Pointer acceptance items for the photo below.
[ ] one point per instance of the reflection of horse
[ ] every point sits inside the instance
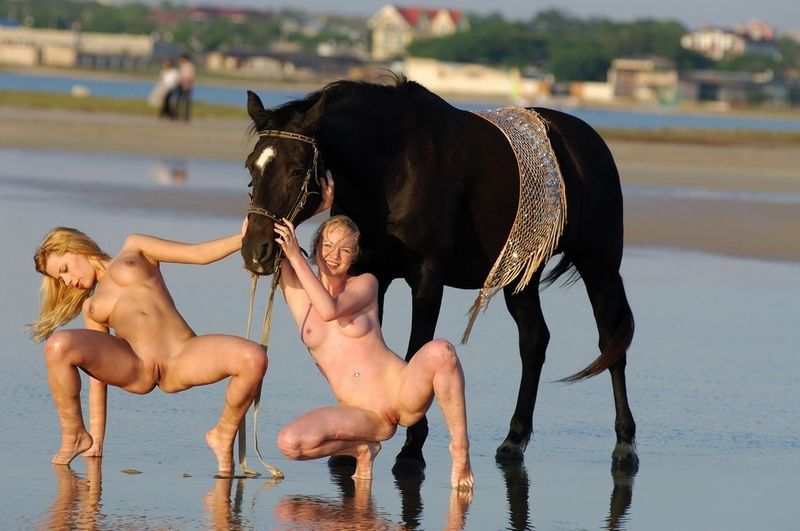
(434, 190)
(518, 484)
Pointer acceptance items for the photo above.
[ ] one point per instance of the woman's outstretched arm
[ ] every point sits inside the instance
(161, 250)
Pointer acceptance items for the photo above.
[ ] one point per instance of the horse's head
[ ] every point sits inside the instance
(285, 171)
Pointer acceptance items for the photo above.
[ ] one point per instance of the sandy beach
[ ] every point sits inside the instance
(734, 200)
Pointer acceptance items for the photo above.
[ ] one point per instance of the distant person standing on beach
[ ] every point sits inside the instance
(187, 75)
(163, 94)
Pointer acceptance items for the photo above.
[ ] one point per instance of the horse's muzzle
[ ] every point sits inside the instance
(259, 257)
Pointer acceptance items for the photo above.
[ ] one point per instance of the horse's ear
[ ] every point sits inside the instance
(255, 108)
(314, 114)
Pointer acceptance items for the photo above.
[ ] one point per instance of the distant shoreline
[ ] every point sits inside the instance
(721, 225)
(255, 83)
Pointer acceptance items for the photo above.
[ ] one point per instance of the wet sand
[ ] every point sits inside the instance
(752, 211)
(707, 342)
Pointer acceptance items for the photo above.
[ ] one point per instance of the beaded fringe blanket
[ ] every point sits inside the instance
(541, 211)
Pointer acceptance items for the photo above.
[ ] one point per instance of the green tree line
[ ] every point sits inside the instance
(573, 48)
(570, 48)
(206, 35)
(553, 41)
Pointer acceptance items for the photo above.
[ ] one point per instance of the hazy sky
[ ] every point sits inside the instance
(783, 14)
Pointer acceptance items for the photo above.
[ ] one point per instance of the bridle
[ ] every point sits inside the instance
(265, 328)
(304, 191)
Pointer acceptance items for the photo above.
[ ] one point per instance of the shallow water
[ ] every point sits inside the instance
(667, 117)
(713, 377)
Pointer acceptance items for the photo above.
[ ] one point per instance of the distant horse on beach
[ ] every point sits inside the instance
(435, 190)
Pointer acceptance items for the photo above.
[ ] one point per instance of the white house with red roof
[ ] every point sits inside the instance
(395, 27)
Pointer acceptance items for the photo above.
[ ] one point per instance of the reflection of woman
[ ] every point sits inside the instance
(337, 315)
(357, 510)
(77, 503)
(152, 345)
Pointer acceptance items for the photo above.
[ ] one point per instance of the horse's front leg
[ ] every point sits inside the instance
(426, 300)
(525, 307)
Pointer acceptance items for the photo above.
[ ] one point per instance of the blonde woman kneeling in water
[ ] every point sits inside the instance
(152, 345)
(337, 315)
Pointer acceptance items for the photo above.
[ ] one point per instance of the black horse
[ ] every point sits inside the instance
(434, 190)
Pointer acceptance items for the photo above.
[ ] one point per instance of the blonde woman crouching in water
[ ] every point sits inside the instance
(152, 345)
(337, 316)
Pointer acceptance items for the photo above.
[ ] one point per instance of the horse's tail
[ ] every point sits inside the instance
(564, 266)
(615, 347)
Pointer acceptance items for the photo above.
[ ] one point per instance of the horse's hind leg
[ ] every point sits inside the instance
(525, 307)
(615, 327)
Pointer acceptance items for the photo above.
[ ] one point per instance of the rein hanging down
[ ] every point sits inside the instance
(265, 327)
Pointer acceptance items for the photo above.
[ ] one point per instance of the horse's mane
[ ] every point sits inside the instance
(390, 88)
(396, 84)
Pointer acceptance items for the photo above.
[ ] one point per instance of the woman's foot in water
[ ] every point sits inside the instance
(72, 445)
(222, 446)
(365, 456)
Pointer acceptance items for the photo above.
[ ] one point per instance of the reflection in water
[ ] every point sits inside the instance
(224, 512)
(621, 498)
(171, 172)
(77, 502)
(356, 508)
(410, 500)
(348, 512)
(515, 475)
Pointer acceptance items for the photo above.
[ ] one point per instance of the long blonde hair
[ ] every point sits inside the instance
(60, 303)
(335, 221)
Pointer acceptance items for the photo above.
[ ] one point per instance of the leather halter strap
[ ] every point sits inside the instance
(304, 191)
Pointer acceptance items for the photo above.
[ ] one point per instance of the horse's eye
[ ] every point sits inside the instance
(298, 173)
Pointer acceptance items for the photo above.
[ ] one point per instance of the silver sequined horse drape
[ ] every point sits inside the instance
(542, 208)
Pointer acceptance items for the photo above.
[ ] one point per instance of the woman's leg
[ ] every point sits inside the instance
(435, 371)
(108, 359)
(211, 358)
(337, 430)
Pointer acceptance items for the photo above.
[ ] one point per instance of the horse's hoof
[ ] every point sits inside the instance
(511, 449)
(508, 453)
(624, 458)
(341, 461)
(409, 462)
(409, 468)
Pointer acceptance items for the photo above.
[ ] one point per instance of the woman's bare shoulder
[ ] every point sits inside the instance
(363, 279)
(134, 246)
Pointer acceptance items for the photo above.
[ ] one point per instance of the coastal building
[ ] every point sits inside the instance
(754, 37)
(282, 65)
(23, 46)
(645, 80)
(170, 15)
(395, 27)
(474, 80)
(733, 89)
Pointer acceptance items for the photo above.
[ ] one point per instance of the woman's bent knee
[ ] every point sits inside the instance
(254, 360)
(441, 353)
(290, 444)
(58, 346)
